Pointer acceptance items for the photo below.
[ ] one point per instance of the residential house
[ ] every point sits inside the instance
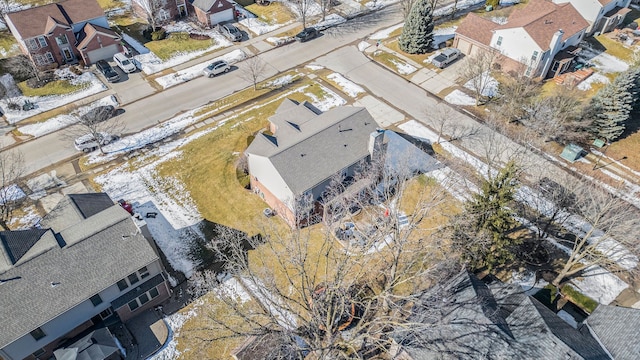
(602, 15)
(470, 319)
(161, 10)
(64, 33)
(91, 260)
(305, 149)
(616, 328)
(98, 344)
(212, 12)
(540, 39)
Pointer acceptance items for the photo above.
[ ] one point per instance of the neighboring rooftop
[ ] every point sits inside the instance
(478, 28)
(96, 345)
(617, 329)
(469, 319)
(69, 268)
(74, 208)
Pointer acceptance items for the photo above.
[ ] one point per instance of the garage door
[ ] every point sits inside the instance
(222, 16)
(106, 52)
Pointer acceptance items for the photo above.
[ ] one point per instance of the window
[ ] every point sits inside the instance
(133, 278)
(534, 56)
(32, 44)
(144, 298)
(50, 58)
(106, 313)
(62, 40)
(122, 284)
(38, 334)
(39, 353)
(133, 304)
(96, 300)
(499, 42)
(42, 41)
(153, 293)
(143, 272)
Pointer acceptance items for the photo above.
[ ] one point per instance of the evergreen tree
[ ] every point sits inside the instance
(611, 107)
(417, 32)
(483, 229)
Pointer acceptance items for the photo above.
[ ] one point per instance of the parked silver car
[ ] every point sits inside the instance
(216, 68)
(88, 142)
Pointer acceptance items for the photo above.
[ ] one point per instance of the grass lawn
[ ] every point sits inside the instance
(174, 44)
(393, 45)
(391, 61)
(8, 44)
(583, 301)
(627, 150)
(57, 87)
(110, 4)
(615, 48)
(275, 13)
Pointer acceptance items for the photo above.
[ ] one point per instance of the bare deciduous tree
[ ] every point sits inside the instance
(477, 71)
(11, 170)
(558, 117)
(155, 11)
(98, 123)
(445, 120)
(607, 236)
(302, 8)
(516, 94)
(342, 291)
(253, 68)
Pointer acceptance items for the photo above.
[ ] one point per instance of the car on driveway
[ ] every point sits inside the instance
(124, 63)
(106, 70)
(446, 57)
(88, 142)
(230, 32)
(307, 34)
(216, 68)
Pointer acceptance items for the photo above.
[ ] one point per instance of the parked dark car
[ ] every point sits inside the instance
(307, 34)
(106, 70)
(99, 114)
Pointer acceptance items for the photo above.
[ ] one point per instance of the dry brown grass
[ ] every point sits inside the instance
(275, 13)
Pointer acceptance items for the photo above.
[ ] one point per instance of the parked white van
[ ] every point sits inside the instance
(124, 63)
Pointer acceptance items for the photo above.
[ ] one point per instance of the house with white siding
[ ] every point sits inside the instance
(603, 15)
(539, 39)
(91, 260)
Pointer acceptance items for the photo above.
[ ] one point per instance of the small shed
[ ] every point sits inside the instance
(572, 152)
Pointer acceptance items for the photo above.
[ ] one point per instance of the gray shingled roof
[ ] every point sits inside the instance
(74, 208)
(618, 329)
(96, 345)
(323, 145)
(111, 251)
(204, 5)
(17, 243)
(478, 321)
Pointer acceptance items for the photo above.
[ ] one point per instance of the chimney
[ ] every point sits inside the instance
(377, 144)
(556, 42)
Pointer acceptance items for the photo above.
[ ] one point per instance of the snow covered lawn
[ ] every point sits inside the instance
(457, 97)
(345, 85)
(193, 72)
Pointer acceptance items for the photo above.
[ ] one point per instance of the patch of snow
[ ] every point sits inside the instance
(461, 5)
(509, 2)
(329, 21)
(277, 41)
(403, 67)
(45, 103)
(175, 322)
(195, 71)
(312, 7)
(281, 81)
(362, 45)
(29, 219)
(527, 280)
(233, 288)
(314, 67)
(491, 87)
(346, 85)
(378, 4)
(441, 35)
(501, 20)
(120, 347)
(568, 318)
(284, 317)
(259, 27)
(329, 100)
(61, 121)
(385, 33)
(11, 193)
(600, 285)
(172, 281)
(604, 62)
(457, 97)
(594, 78)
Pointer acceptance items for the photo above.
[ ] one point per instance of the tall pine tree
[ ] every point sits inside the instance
(611, 107)
(417, 33)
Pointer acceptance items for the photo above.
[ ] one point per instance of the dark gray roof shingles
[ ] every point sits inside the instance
(17, 243)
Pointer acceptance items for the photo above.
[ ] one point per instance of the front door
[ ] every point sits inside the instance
(68, 55)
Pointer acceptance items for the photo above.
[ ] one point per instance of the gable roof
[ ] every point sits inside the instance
(17, 243)
(209, 5)
(477, 28)
(35, 21)
(617, 329)
(94, 254)
(541, 19)
(90, 31)
(96, 345)
(471, 320)
(74, 208)
(318, 146)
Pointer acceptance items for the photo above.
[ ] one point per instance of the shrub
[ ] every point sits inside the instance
(179, 36)
(158, 35)
(493, 3)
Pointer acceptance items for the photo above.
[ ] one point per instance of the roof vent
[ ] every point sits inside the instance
(55, 283)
